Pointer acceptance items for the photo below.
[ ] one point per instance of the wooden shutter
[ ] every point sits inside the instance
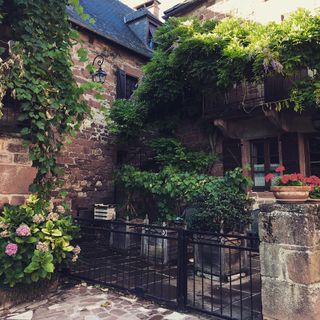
(121, 84)
(231, 155)
(290, 152)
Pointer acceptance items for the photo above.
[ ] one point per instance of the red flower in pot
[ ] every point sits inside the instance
(289, 187)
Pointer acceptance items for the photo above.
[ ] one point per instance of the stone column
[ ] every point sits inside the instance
(290, 261)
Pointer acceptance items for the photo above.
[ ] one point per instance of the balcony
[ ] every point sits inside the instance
(247, 97)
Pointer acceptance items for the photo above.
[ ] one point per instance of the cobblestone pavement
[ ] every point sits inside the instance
(84, 302)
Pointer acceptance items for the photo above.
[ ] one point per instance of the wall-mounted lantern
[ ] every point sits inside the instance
(99, 75)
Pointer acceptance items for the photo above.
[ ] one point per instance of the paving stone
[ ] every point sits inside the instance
(22, 316)
(92, 317)
(118, 312)
(175, 316)
(157, 317)
(71, 304)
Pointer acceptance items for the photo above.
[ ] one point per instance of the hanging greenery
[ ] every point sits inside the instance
(38, 76)
(195, 58)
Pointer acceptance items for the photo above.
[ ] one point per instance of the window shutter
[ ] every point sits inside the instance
(290, 152)
(121, 84)
(231, 154)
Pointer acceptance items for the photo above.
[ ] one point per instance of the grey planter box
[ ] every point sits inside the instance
(158, 250)
(219, 262)
(125, 241)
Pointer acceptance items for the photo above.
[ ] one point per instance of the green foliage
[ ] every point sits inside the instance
(194, 58)
(44, 245)
(315, 192)
(180, 180)
(42, 83)
(171, 190)
(171, 152)
(225, 206)
(125, 118)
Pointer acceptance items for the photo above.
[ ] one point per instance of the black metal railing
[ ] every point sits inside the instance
(218, 274)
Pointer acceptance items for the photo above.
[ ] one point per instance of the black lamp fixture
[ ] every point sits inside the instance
(99, 75)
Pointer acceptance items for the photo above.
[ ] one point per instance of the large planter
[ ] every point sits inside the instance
(291, 194)
(219, 258)
(156, 248)
(121, 237)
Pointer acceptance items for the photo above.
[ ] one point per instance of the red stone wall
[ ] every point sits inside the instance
(89, 161)
(15, 171)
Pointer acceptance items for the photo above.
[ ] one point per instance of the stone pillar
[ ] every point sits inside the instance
(290, 261)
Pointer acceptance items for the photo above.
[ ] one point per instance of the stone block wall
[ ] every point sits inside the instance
(290, 261)
(90, 160)
(16, 173)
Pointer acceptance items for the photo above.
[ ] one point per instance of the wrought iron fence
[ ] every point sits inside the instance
(214, 273)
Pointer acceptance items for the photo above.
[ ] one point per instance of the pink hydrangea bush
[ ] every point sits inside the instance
(35, 238)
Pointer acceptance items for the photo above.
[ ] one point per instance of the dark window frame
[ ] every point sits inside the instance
(122, 84)
(267, 160)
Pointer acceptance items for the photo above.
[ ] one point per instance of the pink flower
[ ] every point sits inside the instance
(23, 231)
(11, 249)
(280, 169)
(268, 177)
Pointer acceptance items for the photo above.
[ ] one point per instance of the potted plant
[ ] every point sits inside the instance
(218, 220)
(288, 188)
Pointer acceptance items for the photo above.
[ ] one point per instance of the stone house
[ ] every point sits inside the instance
(247, 130)
(124, 39)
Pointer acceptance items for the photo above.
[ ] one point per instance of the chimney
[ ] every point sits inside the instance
(152, 6)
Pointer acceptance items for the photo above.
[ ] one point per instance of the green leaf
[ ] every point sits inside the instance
(48, 267)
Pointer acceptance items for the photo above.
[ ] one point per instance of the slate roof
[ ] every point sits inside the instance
(179, 8)
(110, 23)
(141, 13)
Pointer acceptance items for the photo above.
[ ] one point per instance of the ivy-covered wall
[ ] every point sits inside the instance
(89, 161)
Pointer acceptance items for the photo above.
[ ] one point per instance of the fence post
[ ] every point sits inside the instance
(290, 260)
(182, 271)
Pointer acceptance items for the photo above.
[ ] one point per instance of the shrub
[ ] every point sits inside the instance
(34, 239)
(226, 206)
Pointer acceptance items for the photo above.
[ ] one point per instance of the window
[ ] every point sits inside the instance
(126, 84)
(231, 154)
(314, 154)
(151, 33)
(264, 159)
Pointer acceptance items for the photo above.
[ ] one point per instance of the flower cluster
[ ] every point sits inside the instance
(53, 216)
(4, 226)
(76, 251)
(42, 246)
(295, 179)
(38, 218)
(23, 231)
(11, 249)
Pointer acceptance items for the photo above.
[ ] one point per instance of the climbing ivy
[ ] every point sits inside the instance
(41, 82)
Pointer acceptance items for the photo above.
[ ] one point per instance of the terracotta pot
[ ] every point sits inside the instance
(291, 194)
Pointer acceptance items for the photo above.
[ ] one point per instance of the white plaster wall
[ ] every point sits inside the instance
(262, 11)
